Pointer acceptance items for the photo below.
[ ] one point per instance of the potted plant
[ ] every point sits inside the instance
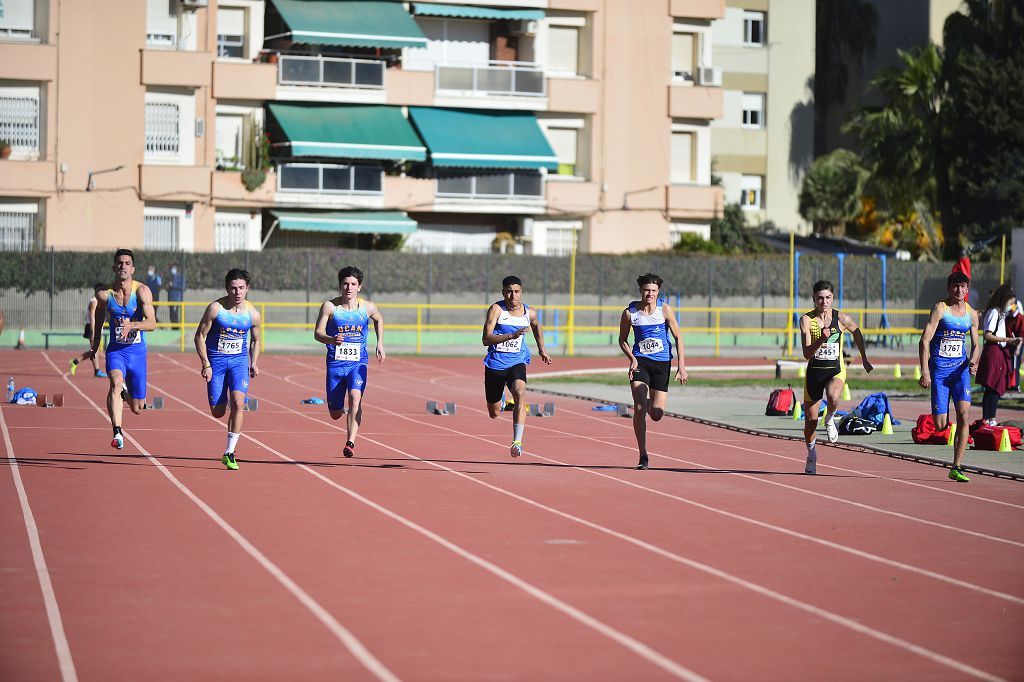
(5, 148)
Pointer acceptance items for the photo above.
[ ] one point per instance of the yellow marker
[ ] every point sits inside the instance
(798, 412)
(917, 372)
(886, 425)
(846, 392)
(1004, 442)
(897, 373)
(952, 435)
(801, 372)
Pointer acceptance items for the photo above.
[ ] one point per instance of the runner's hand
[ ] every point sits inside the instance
(545, 357)
(633, 364)
(207, 373)
(974, 367)
(339, 338)
(925, 381)
(254, 371)
(126, 325)
(380, 353)
(681, 376)
(867, 365)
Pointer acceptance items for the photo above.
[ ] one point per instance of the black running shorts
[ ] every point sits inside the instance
(495, 380)
(654, 373)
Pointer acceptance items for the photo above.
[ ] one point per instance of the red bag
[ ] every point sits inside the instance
(925, 434)
(781, 402)
(988, 437)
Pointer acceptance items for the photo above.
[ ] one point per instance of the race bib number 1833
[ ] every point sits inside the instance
(348, 352)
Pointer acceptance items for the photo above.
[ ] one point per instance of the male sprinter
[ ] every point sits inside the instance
(945, 366)
(90, 313)
(127, 306)
(229, 355)
(650, 356)
(343, 325)
(821, 332)
(507, 356)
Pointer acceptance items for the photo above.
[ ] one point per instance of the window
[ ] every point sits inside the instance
(561, 237)
(753, 110)
(231, 232)
(17, 19)
(19, 119)
(750, 192)
(161, 232)
(451, 239)
(163, 129)
(754, 28)
(315, 177)
(18, 226)
(677, 230)
(683, 50)
(682, 157)
(161, 24)
(564, 141)
(492, 185)
(229, 140)
(563, 49)
(231, 33)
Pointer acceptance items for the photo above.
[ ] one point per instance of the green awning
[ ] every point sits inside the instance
(349, 23)
(350, 131)
(363, 222)
(469, 12)
(459, 138)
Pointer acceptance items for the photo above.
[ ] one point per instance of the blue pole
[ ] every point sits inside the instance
(884, 322)
(555, 331)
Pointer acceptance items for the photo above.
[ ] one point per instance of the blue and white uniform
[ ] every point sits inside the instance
(346, 361)
(127, 357)
(501, 356)
(650, 333)
(227, 347)
(948, 362)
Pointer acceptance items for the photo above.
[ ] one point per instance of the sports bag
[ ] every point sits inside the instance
(987, 437)
(874, 408)
(781, 402)
(925, 433)
(852, 425)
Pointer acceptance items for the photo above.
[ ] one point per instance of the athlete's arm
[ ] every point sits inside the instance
(378, 328)
(924, 345)
(320, 332)
(202, 330)
(255, 333)
(625, 324)
(990, 334)
(148, 321)
(846, 322)
(97, 324)
(673, 326)
(975, 346)
(489, 337)
(538, 336)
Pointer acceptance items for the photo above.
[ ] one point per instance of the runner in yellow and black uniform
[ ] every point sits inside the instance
(821, 331)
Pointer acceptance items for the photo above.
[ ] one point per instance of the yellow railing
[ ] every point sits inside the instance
(569, 329)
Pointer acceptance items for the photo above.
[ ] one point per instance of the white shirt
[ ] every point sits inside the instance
(995, 322)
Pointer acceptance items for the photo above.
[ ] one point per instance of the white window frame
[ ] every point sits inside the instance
(11, 212)
(678, 76)
(248, 223)
(28, 147)
(234, 40)
(753, 107)
(186, 224)
(580, 166)
(750, 19)
(692, 170)
(701, 151)
(23, 30)
(751, 192)
(186, 153)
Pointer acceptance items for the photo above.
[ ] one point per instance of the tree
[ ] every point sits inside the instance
(831, 191)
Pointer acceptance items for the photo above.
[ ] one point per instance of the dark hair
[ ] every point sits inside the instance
(823, 284)
(124, 252)
(350, 271)
(649, 278)
(509, 281)
(236, 273)
(999, 297)
(99, 286)
(957, 278)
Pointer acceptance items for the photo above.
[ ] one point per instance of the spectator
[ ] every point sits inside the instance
(995, 371)
(175, 293)
(155, 283)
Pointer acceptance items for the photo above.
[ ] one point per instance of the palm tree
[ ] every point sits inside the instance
(831, 191)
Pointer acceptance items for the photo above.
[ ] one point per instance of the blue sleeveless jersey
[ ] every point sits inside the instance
(510, 353)
(115, 312)
(650, 333)
(229, 334)
(948, 348)
(355, 326)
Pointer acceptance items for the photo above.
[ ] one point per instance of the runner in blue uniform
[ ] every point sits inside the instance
(343, 325)
(945, 365)
(650, 357)
(508, 355)
(228, 343)
(127, 306)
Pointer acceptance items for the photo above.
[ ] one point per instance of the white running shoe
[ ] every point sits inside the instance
(118, 442)
(811, 467)
(516, 449)
(832, 430)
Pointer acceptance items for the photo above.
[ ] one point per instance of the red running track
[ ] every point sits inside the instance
(433, 555)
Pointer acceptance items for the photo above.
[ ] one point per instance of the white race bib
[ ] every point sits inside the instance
(228, 346)
(827, 351)
(650, 346)
(951, 348)
(133, 337)
(348, 352)
(511, 346)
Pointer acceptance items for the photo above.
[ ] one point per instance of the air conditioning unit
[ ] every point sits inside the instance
(194, 4)
(709, 75)
(525, 27)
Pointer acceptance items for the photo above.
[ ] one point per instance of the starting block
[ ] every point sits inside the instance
(622, 410)
(252, 405)
(157, 404)
(545, 410)
(56, 400)
(435, 407)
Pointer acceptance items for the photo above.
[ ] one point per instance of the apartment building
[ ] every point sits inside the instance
(221, 125)
(764, 141)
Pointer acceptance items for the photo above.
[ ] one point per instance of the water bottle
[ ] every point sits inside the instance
(10, 390)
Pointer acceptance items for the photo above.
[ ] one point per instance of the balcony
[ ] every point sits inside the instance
(174, 183)
(336, 72)
(491, 79)
(694, 201)
(323, 184)
(412, 194)
(573, 197)
(228, 190)
(176, 68)
(31, 178)
(490, 192)
(238, 80)
(697, 102)
(575, 95)
(29, 61)
(697, 9)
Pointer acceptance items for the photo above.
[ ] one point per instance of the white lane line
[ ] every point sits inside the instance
(885, 637)
(60, 639)
(350, 641)
(639, 648)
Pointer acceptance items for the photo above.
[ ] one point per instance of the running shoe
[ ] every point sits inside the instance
(118, 442)
(811, 467)
(73, 367)
(124, 395)
(350, 449)
(229, 461)
(516, 449)
(955, 474)
(832, 430)
(642, 464)
(100, 374)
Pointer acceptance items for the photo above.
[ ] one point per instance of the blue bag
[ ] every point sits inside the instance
(24, 396)
(874, 408)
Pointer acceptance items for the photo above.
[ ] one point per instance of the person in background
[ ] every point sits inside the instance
(90, 314)
(996, 369)
(175, 293)
(155, 282)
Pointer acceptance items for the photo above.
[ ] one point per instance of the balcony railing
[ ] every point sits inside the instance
(510, 186)
(339, 72)
(520, 79)
(321, 178)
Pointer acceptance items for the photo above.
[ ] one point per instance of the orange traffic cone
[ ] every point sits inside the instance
(21, 340)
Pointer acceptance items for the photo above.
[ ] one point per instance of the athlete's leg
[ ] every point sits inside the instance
(833, 392)
(115, 405)
(237, 414)
(658, 401)
(217, 389)
(641, 401)
(494, 391)
(355, 414)
(135, 378)
(960, 392)
(940, 401)
(337, 388)
(812, 398)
